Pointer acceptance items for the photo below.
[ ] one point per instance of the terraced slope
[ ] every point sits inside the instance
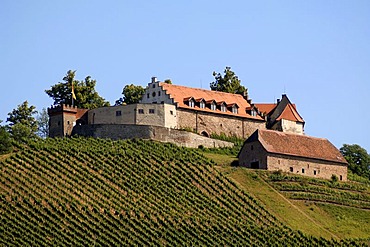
(99, 192)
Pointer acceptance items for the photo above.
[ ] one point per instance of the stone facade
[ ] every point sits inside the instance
(129, 131)
(207, 123)
(141, 114)
(289, 126)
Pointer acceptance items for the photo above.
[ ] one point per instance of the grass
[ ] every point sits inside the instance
(317, 219)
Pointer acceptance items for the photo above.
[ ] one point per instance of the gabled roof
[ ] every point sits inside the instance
(265, 107)
(179, 93)
(297, 145)
(290, 113)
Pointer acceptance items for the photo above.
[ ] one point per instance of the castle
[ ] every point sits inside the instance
(170, 106)
(165, 110)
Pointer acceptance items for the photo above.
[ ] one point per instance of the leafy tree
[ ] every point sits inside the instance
(5, 142)
(229, 83)
(86, 96)
(23, 116)
(168, 81)
(43, 123)
(131, 94)
(358, 159)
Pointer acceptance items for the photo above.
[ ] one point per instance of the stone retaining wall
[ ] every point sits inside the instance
(128, 131)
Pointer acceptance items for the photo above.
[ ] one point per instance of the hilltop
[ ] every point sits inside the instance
(85, 191)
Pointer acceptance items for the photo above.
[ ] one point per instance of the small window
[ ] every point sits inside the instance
(253, 113)
(302, 170)
(235, 110)
(151, 111)
(213, 107)
(141, 111)
(340, 177)
(153, 85)
(202, 105)
(291, 169)
(147, 96)
(223, 108)
(118, 113)
(251, 147)
(314, 172)
(191, 103)
(58, 123)
(279, 162)
(68, 122)
(171, 112)
(153, 94)
(159, 93)
(162, 102)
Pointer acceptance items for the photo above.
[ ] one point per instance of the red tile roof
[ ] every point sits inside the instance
(290, 113)
(299, 145)
(265, 107)
(179, 94)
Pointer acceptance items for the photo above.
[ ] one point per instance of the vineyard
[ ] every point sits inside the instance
(321, 191)
(74, 192)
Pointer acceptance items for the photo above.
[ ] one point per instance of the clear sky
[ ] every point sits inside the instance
(317, 52)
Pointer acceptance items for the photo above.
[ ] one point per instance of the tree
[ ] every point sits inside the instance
(43, 123)
(358, 159)
(229, 83)
(23, 115)
(5, 142)
(86, 96)
(131, 94)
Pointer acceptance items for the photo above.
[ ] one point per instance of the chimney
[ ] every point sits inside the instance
(154, 79)
(278, 101)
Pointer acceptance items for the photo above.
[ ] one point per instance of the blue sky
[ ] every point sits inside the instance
(317, 52)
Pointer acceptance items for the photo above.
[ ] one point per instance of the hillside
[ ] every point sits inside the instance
(100, 192)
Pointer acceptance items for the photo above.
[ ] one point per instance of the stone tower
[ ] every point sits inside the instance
(63, 118)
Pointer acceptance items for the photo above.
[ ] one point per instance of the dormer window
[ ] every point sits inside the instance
(233, 108)
(223, 108)
(253, 113)
(213, 106)
(191, 103)
(202, 105)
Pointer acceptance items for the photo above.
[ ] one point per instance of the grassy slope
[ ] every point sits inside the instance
(317, 219)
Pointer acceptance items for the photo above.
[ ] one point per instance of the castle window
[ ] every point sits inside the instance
(151, 111)
(58, 123)
(234, 110)
(68, 122)
(302, 170)
(159, 93)
(147, 96)
(191, 103)
(251, 147)
(291, 169)
(118, 113)
(314, 172)
(340, 177)
(171, 112)
(153, 85)
(153, 94)
(141, 111)
(213, 106)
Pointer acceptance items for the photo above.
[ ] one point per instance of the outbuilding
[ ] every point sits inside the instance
(294, 153)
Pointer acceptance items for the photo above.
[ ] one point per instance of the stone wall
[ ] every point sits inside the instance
(126, 131)
(141, 114)
(288, 126)
(217, 123)
(307, 167)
